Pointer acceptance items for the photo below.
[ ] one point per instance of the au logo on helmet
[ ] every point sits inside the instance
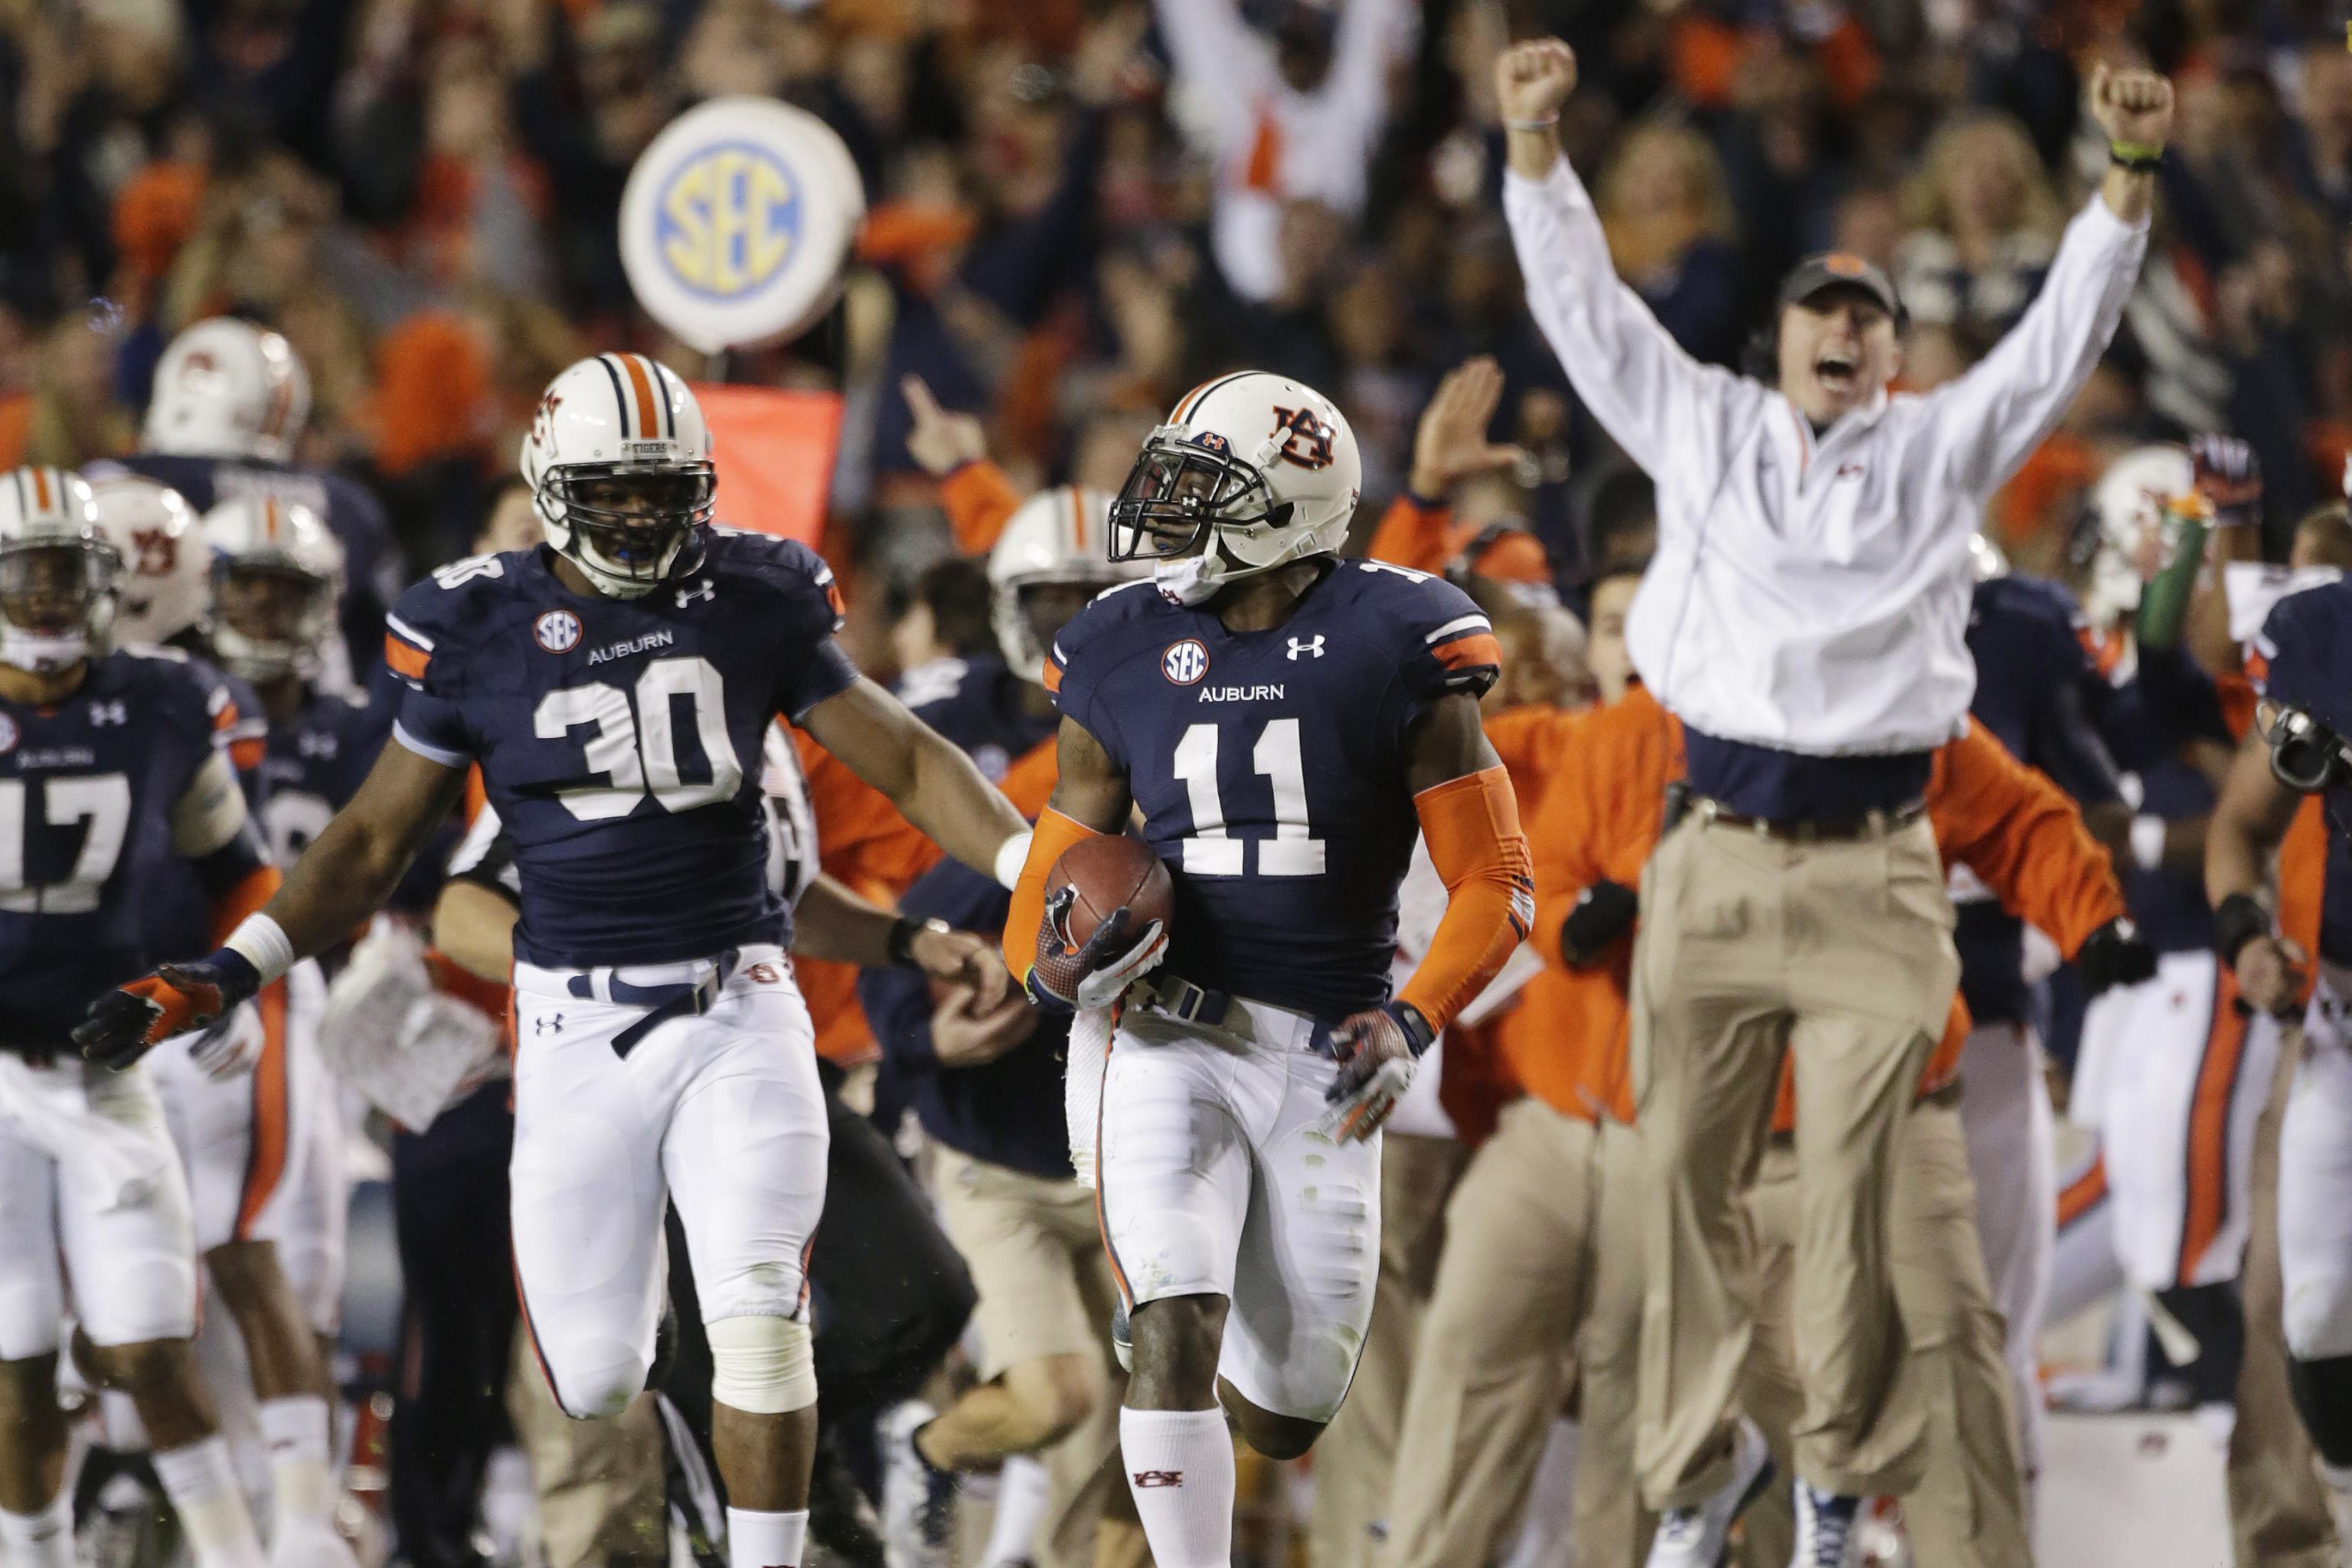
(736, 221)
(1305, 438)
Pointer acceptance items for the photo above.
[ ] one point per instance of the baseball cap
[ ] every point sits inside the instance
(1842, 270)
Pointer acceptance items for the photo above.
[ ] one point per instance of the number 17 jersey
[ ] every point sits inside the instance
(1271, 766)
(620, 739)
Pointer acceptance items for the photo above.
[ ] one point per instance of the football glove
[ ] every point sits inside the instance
(2228, 475)
(1602, 913)
(1070, 977)
(2114, 955)
(124, 1025)
(1376, 1051)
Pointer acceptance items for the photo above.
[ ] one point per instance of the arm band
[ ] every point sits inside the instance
(2237, 920)
(1055, 834)
(263, 942)
(1472, 827)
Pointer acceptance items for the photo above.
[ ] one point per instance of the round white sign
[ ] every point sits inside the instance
(736, 221)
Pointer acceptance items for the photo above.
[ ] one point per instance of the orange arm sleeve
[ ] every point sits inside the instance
(978, 498)
(1056, 833)
(254, 889)
(1472, 826)
(2022, 835)
(1414, 535)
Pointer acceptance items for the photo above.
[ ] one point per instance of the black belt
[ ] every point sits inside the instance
(686, 999)
(1826, 830)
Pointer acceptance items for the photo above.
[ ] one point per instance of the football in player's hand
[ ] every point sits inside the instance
(1109, 873)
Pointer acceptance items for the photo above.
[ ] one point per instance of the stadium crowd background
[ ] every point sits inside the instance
(423, 195)
(1078, 211)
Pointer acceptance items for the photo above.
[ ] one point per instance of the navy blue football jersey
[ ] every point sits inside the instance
(313, 763)
(2164, 702)
(2035, 691)
(88, 792)
(620, 740)
(1270, 766)
(980, 706)
(179, 908)
(371, 568)
(2303, 659)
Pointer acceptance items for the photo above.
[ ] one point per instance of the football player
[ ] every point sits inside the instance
(1281, 719)
(615, 686)
(2302, 660)
(249, 1105)
(2172, 1073)
(224, 420)
(110, 778)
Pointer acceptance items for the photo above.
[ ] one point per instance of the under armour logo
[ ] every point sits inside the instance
(1158, 1478)
(548, 1024)
(704, 589)
(317, 743)
(109, 713)
(1313, 648)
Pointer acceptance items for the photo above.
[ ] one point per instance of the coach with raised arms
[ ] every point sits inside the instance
(1805, 619)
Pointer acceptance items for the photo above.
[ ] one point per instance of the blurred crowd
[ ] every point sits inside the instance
(1081, 207)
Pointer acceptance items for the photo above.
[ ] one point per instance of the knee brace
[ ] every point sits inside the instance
(2323, 1397)
(762, 1366)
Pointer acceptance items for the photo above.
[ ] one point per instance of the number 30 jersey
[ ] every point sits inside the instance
(1270, 766)
(620, 739)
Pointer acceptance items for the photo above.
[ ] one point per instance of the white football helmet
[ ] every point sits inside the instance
(166, 581)
(226, 388)
(618, 461)
(1059, 537)
(276, 578)
(57, 572)
(1251, 471)
(2132, 507)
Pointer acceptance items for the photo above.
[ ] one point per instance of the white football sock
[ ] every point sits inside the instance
(201, 1481)
(43, 1539)
(1179, 1467)
(765, 1540)
(117, 1416)
(1022, 1493)
(296, 1429)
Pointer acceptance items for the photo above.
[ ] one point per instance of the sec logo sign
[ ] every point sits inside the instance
(1184, 662)
(558, 631)
(727, 220)
(736, 221)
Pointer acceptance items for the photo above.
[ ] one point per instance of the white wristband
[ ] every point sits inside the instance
(1011, 856)
(262, 942)
(2148, 842)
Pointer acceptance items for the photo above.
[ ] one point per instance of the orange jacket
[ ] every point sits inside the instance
(979, 498)
(1600, 820)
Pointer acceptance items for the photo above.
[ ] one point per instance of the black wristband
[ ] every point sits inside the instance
(2135, 164)
(2237, 920)
(902, 939)
(1418, 1035)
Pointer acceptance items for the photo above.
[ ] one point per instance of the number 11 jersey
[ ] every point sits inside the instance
(1270, 766)
(620, 739)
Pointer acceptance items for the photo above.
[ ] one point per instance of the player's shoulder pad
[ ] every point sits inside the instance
(172, 689)
(440, 612)
(2305, 643)
(769, 563)
(1436, 632)
(1116, 613)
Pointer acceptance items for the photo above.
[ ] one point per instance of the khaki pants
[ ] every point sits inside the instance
(1839, 954)
(1968, 1509)
(1489, 1369)
(602, 1500)
(1037, 1262)
(1357, 1454)
(1612, 1526)
(2278, 1510)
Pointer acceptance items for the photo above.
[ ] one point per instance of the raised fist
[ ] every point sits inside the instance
(1533, 80)
(2133, 107)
